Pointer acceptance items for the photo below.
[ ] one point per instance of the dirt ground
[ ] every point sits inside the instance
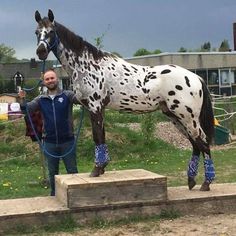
(212, 225)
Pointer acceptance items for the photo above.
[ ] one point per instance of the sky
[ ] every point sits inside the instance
(127, 25)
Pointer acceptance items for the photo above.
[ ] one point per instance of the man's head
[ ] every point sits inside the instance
(50, 80)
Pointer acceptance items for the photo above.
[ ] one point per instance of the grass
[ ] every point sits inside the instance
(21, 173)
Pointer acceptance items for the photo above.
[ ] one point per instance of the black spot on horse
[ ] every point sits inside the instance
(189, 109)
(179, 87)
(172, 107)
(191, 93)
(165, 71)
(171, 93)
(126, 69)
(194, 124)
(67, 55)
(96, 96)
(100, 85)
(124, 103)
(122, 93)
(182, 115)
(187, 81)
(146, 90)
(126, 99)
(176, 101)
(200, 93)
(133, 98)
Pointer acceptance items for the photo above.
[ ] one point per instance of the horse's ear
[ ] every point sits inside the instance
(50, 15)
(37, 16)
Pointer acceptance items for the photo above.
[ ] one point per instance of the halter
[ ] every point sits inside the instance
(52, 46)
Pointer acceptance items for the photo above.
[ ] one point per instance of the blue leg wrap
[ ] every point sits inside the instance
(193, 166)
(209, 170)
(101, 155)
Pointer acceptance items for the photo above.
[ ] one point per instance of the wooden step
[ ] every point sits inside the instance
(112, 188)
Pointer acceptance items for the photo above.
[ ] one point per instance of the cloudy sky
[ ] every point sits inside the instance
(128, 24)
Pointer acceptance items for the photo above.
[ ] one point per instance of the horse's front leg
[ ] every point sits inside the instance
(101, 150)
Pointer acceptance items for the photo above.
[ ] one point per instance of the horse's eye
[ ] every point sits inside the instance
(51, 33)
(36, 32)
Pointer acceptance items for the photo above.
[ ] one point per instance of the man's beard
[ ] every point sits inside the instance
(52, 88)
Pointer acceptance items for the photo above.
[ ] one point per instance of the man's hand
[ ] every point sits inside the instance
(21, 94)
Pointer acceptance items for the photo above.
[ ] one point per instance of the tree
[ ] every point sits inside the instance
(144, 51)
(182, 49)
(224, 47)
(7, 54)
(157, 51)
(141, 52)
(206, 47)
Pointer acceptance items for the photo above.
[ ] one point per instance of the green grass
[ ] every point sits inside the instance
(21, 173)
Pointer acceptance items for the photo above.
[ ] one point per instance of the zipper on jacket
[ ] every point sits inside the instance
(55, 119)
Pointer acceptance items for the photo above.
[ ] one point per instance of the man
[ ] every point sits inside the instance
(56, 109)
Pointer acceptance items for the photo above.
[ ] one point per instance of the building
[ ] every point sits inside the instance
(218, 69)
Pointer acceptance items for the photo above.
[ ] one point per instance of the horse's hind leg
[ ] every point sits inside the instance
(101, 150)
(208, 163)
(193, 165)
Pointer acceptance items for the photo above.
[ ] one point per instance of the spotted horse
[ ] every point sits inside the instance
(102, 80)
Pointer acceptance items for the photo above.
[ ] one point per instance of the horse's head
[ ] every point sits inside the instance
(46, 35)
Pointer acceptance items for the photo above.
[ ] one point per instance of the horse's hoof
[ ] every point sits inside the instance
(205, 186)
(95, 172)
(191, 183)
(102, 168)
(98, 170)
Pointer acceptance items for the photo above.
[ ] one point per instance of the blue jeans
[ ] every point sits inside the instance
(53, 162)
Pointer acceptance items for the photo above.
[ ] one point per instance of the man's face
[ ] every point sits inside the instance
(50, 80)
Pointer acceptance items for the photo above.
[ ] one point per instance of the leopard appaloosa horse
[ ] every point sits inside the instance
(102, 80)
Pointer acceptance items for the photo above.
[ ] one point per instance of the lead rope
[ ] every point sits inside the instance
(76, 136)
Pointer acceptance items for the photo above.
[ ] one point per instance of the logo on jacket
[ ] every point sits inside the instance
(60, 100)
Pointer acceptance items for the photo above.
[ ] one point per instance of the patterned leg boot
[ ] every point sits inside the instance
(209, 174)
(192, 171)
(101, 160)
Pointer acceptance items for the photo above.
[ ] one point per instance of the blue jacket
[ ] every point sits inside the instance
(57, 115)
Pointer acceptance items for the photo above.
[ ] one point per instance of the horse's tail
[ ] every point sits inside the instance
(207, 116)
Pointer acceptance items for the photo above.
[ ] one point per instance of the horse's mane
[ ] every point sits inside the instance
(77, 43)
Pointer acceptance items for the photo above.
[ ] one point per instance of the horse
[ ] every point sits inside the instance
(103, 80)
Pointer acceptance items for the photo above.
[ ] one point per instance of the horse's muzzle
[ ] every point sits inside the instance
(42, 52)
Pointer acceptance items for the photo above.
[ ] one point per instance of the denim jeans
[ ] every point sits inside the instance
(53, 162)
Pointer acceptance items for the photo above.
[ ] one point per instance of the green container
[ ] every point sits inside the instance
(221, 135)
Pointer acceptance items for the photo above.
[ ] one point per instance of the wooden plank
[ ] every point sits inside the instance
(112, 188)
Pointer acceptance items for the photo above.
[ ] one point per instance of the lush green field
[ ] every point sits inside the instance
(21, 172)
